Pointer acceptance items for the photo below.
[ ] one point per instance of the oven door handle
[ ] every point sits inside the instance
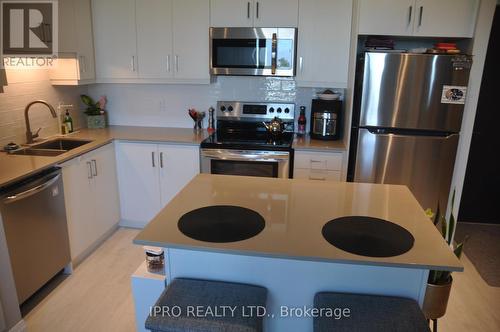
(246, 155)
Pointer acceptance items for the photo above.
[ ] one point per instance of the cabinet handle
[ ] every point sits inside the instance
(168, 63)
(257, 10)
(176, 63)
(317, 178)
(248, 9)
(161, 159)
(420, 16)
(301, 64)
(410, 10)
(94, 173)
(153, 159)
(132, 63)
(89, 167)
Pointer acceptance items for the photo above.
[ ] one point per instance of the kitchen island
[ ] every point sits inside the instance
(289, 255)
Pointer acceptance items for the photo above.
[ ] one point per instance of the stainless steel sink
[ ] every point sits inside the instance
(37, 152)
(61, 144)
(52, 147)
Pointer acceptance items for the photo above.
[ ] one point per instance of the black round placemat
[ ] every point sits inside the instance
(367, 236)
(221, 223)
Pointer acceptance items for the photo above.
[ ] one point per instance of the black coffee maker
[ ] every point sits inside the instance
(326, 119)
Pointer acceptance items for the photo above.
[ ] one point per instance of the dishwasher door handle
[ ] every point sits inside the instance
(31, 191)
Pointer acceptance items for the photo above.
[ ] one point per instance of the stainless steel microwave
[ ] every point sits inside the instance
(253, 51)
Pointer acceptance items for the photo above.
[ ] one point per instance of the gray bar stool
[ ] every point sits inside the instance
(370, 313)
(177, 308)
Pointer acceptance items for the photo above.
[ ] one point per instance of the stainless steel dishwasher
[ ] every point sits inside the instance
(34, 220)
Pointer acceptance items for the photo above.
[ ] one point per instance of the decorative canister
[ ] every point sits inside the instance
(155, 259)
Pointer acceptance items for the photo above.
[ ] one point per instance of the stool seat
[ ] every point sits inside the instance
(204, 305)
(370, 313)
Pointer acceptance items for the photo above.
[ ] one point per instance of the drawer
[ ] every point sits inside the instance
(316, 174)
(318, 160)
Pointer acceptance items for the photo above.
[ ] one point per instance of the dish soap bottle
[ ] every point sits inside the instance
(68, 122)
(302, 122)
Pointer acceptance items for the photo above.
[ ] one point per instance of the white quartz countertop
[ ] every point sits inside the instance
(295, 212)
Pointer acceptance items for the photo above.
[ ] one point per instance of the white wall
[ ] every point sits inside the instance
(25, 86)
(167, 105)
(479, 49)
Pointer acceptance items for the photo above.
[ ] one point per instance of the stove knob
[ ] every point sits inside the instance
(287, 110)
(223, 108)
(278, 110)
(230, 108)
(271, 110)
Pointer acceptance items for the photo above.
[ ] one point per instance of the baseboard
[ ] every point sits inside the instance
(80, 258)
(131, 224)
(19, 327)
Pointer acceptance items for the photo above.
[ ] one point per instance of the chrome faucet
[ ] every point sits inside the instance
(29, 135)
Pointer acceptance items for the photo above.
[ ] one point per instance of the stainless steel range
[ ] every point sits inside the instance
(242, 145)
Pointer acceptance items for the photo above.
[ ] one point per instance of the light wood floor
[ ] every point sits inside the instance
(97, 296)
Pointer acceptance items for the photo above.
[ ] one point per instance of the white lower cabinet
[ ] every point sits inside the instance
(324, 166)
(150, 175)
(92, 205)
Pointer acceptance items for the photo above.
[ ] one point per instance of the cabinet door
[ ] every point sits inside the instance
(84, 39)
(231, 13)
(80, 211)
(445, 18)
(178, 165)
(324, 42)
(105, 189)
(115, 38)
(138, 182)
(190, 39)
(387, 17)
(154, 38)
(276, 13)
(66, 23)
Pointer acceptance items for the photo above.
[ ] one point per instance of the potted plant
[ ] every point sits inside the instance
(439, 282)
(95, 111)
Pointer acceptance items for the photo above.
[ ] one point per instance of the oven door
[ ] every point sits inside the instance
(275, 164)
(252, 51)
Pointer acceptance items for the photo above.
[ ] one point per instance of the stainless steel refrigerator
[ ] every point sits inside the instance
(406, 121)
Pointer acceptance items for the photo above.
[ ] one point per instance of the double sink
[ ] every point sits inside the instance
(53, 147)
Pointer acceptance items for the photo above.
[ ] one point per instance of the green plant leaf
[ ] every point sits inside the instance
(444, 227)
(87, 100)
(437, 215)
(451, 227)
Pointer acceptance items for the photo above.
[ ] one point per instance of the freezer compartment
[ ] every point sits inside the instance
(405, 90)
(424, 163)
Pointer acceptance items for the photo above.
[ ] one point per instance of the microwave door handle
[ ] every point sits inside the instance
(274, 54)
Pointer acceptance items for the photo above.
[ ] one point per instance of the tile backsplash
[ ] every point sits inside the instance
(25, 86)
(166, 105)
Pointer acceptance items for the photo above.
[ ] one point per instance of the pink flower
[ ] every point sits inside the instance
(102, 102)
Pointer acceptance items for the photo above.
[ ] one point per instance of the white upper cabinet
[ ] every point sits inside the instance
(386, 17)
(152, 41)
(190, 40)
(276, 13)
(448, 18)
(428, 18)
(154, 38)
(75, 64)
(115, 38)
(323, 43)
(250, 13)
(231, 13)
